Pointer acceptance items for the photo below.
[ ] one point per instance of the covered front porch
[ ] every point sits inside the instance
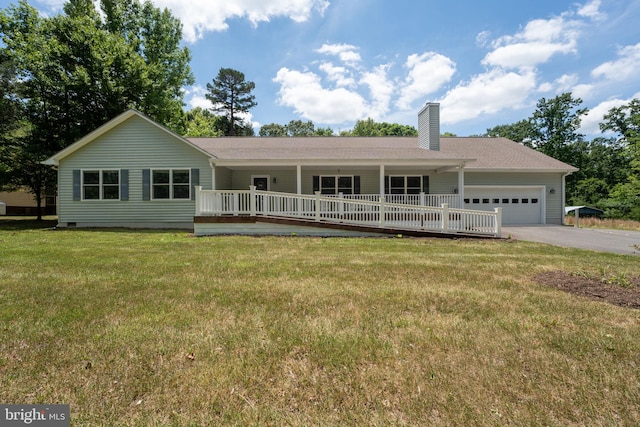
(354, 211)
(425, 183)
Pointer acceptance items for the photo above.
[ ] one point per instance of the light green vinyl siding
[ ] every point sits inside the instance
(369, 179)
(133, 145)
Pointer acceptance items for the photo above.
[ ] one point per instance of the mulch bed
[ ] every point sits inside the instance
(593, 288)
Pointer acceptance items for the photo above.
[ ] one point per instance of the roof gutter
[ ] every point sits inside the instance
(441, 163)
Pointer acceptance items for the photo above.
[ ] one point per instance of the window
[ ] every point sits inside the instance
(496, 201)
(336, 184)
(101, 185)
(514, 201)
(485, 201)
(476, 201)
(534, 200)
(505, 201)
(525, 200)
(406, 184)
(171, 184)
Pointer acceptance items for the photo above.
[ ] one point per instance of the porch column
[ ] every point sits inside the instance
(461, 187)
(382, 180)
(213, 176)
(299, 179)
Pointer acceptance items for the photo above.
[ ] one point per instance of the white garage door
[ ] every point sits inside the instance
(520, 205)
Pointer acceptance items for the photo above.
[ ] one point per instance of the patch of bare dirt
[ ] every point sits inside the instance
(625, 294)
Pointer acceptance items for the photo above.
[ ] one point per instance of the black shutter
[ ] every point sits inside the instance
(425, 184)
(146, 184)
(76, 185)
(195, 181)
(356, 184)
(386, 184)
(124, 184)
(316, 183)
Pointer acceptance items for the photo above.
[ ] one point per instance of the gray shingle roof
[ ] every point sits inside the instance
(482, 153)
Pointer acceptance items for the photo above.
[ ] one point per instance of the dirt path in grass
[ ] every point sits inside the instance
(621, 291)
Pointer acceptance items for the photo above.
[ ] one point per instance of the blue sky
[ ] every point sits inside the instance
(486, 63)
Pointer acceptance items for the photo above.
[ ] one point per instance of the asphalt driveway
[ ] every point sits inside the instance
(616, 241)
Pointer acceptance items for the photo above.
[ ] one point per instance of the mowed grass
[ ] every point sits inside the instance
(155, 328)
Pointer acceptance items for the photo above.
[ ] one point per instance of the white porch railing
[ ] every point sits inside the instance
(379, 213)
(420, 199)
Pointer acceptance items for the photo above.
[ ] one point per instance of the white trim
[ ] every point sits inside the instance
(461, 186)
(404, 187)
(445, 164)
(100, 185)
(213, 176)
(520, 170)
(170, 184)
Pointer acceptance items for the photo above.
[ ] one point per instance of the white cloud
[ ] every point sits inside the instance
(427, 74)
(340, 75)
(201, 16)
(305, 94)
(381, 89)
(583, 90)
(536, 44)
(482, 39)
(344, 100)
(346, 52)
(592, 10)
(487, 93)
(194, 96)
(590, 124)
(624, 67)
(564, 83)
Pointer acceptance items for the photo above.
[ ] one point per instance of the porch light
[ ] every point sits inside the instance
(552, 191)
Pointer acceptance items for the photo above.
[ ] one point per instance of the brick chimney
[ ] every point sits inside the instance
(429, 127)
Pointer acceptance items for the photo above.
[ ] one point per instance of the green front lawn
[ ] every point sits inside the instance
(137, 328)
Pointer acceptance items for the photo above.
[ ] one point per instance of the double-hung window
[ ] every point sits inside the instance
(336, 184)
(401, 184)
(171, 183)
(101, 185)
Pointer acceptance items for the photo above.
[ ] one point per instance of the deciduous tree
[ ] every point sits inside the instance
(78, 69)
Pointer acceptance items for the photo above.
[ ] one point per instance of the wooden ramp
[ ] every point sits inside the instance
(273, 225)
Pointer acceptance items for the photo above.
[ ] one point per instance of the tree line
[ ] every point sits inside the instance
(609, 175)
(63, 76)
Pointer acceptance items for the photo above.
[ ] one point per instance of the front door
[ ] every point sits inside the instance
(261, 182)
